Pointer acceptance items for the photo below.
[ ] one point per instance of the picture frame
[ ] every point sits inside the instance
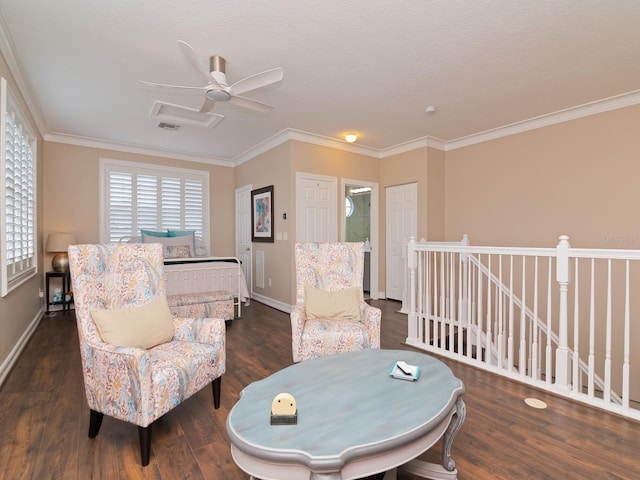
(262, 214)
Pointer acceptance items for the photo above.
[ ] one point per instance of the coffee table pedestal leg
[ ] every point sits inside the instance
(446, 471)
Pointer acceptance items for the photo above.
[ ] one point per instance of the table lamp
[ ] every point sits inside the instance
(58, 243)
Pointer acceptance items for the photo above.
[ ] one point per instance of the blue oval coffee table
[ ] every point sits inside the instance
(354, 419)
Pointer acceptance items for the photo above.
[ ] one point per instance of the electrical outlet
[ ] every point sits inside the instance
(269, 282)
(40, 293)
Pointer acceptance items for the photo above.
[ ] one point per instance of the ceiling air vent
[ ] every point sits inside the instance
(168, 126)
(170, 114)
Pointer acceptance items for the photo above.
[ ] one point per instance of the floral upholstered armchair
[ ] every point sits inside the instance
(331, 315)
(138, 362)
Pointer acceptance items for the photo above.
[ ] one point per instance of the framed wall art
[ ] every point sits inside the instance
(262, 214)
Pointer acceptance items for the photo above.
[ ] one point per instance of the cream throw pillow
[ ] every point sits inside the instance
(339, 305)
(142, 327)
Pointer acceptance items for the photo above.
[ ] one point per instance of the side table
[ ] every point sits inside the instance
(66, 288)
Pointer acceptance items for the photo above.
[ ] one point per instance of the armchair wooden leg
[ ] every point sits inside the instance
(95, 420)
(216, 384)
(144, 433)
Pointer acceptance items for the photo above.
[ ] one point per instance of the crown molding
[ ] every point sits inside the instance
(423, 142)
(262, 147)
(333, 143)
(131, 148)
(289, 134)
(592, 108)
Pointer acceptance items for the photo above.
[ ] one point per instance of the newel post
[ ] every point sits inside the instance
(412, 318)
(562, 277)
(464, 257)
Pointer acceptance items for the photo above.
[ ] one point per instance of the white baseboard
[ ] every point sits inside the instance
(13, 356)
(283, 307)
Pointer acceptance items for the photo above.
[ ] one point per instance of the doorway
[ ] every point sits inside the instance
(360, 224)
(402, 223)
(316, 217)
(243, 233)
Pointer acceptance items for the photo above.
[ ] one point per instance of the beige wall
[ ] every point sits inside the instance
(578, 178)
(71, 193)
(21, 309)
(320, 160)
(273, 168)
(435, 208)
(278, 167)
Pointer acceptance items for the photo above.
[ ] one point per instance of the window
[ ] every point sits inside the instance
(142, 196)
(18, 146)
(348, 206)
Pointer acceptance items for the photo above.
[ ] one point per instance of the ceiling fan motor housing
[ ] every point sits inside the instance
(218, 95)
(217, 67)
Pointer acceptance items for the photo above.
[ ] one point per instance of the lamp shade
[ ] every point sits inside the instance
(58, 243)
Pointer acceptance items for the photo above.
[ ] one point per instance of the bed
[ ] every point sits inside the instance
(206, 280)
(198, 285)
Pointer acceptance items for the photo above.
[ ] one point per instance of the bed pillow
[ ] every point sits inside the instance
(143, 327)
(176, 251)
(180, 233)
(339, 305)
(191, 234)
(152, 233)
(167, 242)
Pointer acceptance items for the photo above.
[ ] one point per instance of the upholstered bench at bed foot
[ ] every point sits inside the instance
(217, 304)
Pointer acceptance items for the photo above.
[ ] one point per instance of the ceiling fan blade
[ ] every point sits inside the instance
(250, 104)
(192, 59)
(208, 105)
(257, 81)
(178, 87)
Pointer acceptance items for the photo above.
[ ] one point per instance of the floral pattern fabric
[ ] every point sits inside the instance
(331, 267)
(132, 384)
(217, 304)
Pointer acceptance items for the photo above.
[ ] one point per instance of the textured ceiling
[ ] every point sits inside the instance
(366, 66)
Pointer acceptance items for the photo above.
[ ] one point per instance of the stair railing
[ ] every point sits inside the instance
(498, 308)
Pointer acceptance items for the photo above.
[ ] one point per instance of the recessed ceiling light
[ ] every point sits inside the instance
(351, 137)
(430, 109)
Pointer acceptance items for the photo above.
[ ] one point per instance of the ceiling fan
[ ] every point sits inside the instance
(216, 88)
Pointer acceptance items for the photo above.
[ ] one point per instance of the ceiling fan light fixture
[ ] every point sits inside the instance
(218, 95)
(351, 137)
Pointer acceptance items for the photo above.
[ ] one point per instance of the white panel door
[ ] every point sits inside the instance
(243, 232)
(316, 208)
(402, 207)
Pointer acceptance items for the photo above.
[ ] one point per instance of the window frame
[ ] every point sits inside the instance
(29, 267)
(108, 165)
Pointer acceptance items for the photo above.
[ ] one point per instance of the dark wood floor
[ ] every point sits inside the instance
(44, 417)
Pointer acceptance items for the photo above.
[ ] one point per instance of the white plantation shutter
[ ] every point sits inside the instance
(17, 195)
(146, 203)
(193, 207)
(141, 196)
(172, 204)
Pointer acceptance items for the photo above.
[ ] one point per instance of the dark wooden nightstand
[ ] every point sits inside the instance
(66, 289)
